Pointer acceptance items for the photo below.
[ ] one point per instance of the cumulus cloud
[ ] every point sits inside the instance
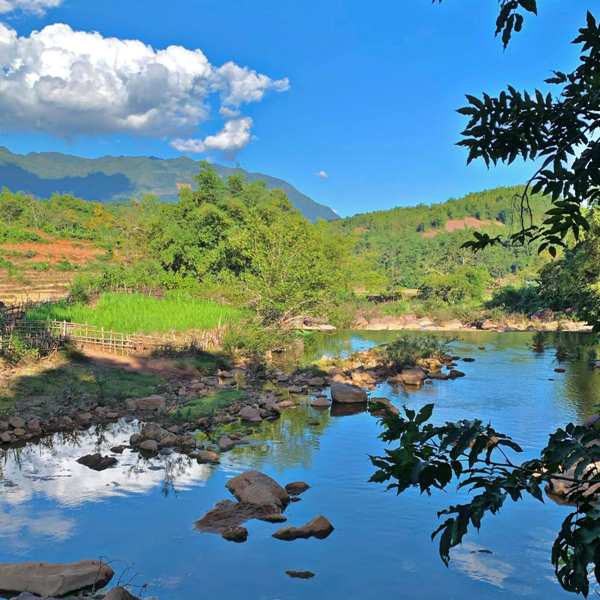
(68, 82)
(38, 7)
(322, 174)
(234, 136)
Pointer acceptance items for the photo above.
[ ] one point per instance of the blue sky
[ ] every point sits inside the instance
(372, 88)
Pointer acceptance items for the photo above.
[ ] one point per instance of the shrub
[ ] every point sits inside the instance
(207, 406)
(408, 349)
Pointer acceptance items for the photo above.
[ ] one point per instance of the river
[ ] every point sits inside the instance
(140, 515)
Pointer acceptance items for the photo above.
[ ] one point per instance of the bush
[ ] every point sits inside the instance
(408, 349)
(525, 300)
(461, 285)
(252, 340)
(19, 351)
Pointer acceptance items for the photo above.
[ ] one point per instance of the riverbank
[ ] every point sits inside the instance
(508, 323)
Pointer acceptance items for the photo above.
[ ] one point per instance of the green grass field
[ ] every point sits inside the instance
(137, 313)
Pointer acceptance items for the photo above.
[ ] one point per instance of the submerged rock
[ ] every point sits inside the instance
(319, 528)
(149, 446)
(455, 374)
(300, 574)
(120, 593)
(320, 403)
(296, 488)
(97, 462)
(380, 407)
(235, 534)
(45, 579)
(346, 393)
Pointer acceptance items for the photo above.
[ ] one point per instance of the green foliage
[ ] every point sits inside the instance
(249, 338)
(402, 246)
(481, 461)
(561, 131)
(461, 285)
(207, 406)
(525, 300)
(407, 349)
(571, 284)
(18, 350)
(138, 313)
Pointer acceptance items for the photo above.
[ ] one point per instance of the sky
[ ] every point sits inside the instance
(352, 102)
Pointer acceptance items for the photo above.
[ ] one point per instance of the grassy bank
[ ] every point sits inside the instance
(138, 313)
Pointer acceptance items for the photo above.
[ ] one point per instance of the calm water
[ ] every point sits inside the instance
(140, 515)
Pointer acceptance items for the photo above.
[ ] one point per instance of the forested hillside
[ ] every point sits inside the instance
(406, 245)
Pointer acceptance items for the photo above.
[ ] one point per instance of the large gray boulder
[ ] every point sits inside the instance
(45, 579)
(254, 487)
(346, 393)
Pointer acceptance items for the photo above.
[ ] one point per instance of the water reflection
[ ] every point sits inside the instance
(49, 469)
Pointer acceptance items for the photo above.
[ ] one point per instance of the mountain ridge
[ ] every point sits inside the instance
(116, 178)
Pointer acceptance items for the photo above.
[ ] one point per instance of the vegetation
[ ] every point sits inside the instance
(408, 349)
(138, 313)
(72, 378)
(207, 406)
(481, 460)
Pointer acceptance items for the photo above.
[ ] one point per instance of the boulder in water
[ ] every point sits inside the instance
(319, 527)
(345, 393)
(46, 579)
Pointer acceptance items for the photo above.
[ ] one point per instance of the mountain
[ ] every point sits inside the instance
(114, 178)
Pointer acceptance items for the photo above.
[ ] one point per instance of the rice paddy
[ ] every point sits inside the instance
(139, 313)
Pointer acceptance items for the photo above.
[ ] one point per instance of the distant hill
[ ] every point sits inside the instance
(114, 178)
(407, 243)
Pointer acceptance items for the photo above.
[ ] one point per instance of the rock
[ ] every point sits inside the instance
(227, 514)
(296, 488)
(235, 534)
(97, 462)
(34, 426)
(345, 393)
(6, 437)
(254, 487)
(118, 449)
(274, 518)
(300, 574)
(285, 404)
(455, 374)
(559, 370)
(467, 359)
(16, 422)
(316, 381)
(413, 376)
(320, 403)
(250, 414)
(379, 407)
(135, 439)
(45, 579)
(120, 593)
(152, 431)
(19, 432)
(319, 528)
(3, 426)
(168, 440)
(439, 375)
(205, 456)
(225, 443)
(155, 402)
(150, 446)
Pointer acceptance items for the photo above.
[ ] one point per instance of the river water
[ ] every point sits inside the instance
(140, 515)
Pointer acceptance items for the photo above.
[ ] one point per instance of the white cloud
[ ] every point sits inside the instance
(67, 82)
(228, 113)
(38, 7)
(322, 174)
(234, 136)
